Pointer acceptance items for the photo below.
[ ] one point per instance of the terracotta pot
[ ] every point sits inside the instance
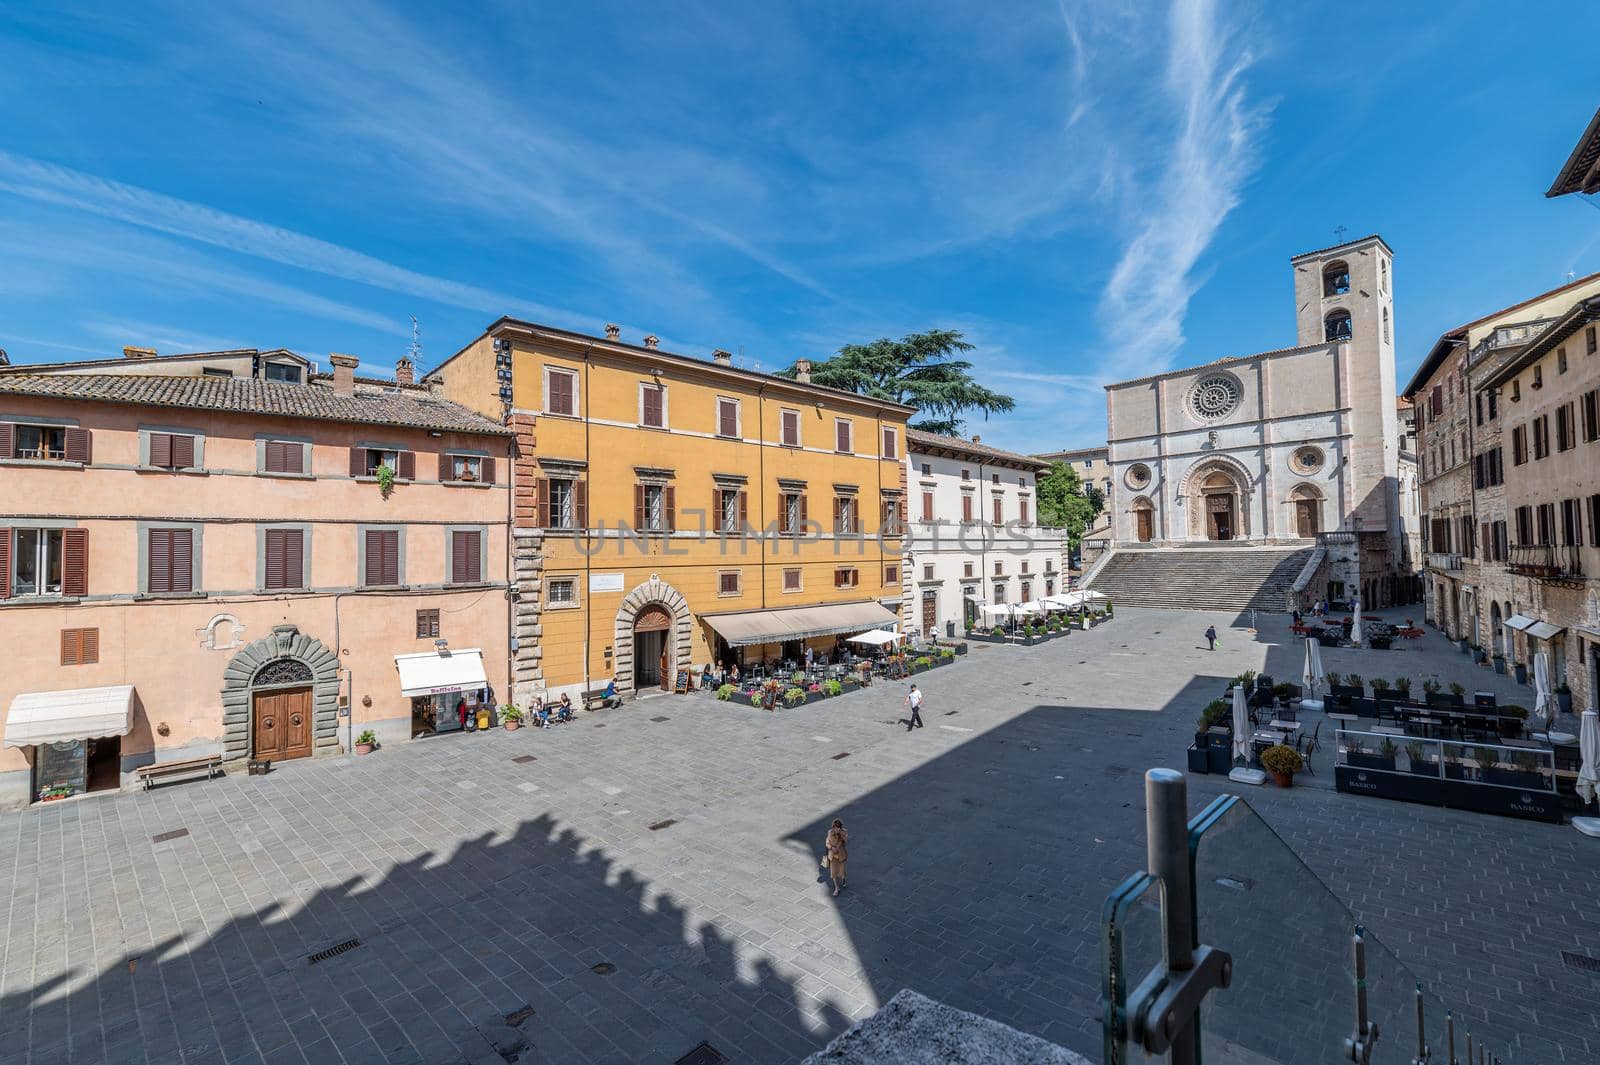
(363, 748)
(512, 726)
(1283, 780)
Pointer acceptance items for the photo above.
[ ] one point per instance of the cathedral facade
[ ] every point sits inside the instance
(1295, 446)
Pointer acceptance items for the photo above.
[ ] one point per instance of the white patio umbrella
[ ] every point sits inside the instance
(1312, 677)
(1589, 746)
(1355, 629)
(1543, 704)
(1241, 726)
(1029, 609)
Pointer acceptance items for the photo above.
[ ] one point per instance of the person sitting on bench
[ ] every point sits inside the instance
(564, 711)
(541, 712)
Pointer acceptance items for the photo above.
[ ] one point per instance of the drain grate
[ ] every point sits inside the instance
(660, 719)
(600, 724)
(604, 968)
(333, 951)
(842, 754)
(1581, 961)
(704, 1054)
(659, 825)
(515, 1018)
(524, 759)
(162, 837)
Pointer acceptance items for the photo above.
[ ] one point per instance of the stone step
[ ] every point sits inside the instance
(1216, 579)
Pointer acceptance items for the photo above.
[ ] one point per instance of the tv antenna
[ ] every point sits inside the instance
(414, 350)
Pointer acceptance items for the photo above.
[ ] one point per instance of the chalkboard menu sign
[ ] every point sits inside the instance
(62, 769)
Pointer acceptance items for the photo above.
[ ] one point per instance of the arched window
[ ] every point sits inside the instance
(1336, 278)
(1383, 275)
(1386, 325)
(1336, 326)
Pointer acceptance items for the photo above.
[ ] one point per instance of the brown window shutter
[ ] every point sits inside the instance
(391, 557)
(446, 467)
(475, 557)
(161, 449)
(580, 504)
(358, 462)
(669, 506)
(408, 466)
(744, 510)
(839, 434)
(70, 654)
(158, 561)
(487, 466)
(182, 560)
(74, 562)
(88, 646)
(638, 506)
(294, 558)
(274, 563)
(374, 567)
(460, 564)
(182, 451)
(541, 503)
(79, 446)
(274, 459)
(5, 562)
(838, 512)
(8, 440)
(804, 514)
(783, 513)
(561, 393)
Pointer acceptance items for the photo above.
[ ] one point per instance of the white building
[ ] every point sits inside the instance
(973, 532)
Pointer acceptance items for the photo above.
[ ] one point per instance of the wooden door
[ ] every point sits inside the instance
(1146, 525)
(283, 724)
(1309, 513)
(930, 615)
(666, 672)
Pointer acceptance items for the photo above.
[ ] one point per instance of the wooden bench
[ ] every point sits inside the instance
(595, 699)
(210, 765)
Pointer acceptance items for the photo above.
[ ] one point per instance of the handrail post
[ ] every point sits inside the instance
(1450, 1037)
(1166, 807)
(1423, 1053)
(1359, 1045)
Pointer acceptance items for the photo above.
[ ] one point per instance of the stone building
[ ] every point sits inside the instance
(1093, 467)
(238, 560)
(1282, 447)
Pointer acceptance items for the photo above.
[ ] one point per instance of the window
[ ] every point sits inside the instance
(169, 558)
(1561, 360)
(994, 478)
(891, 443)
(728, 582)
(891, 575)
(466, 556)
(1566, 428)
(733, 510)
(1541, 436)
(966, 475)
(999, 510)
(966, 569)
(654, 507)
(727, 417)
(283, 559)
(215, 371)
(561, 592)
(563, 503)
(560, 392)
(283, 456)
(845, 517)
(1502, 542)
(281, 371)
(1538, 377)
(1591, 416)
(44, 562)
(927, 469)
(791, 512)
(1594, 520)
(1336, 326)
(1590, 340)
(891, 516)
(1027, 592)
(1477, 403)
(1546, 513)
(791, 580)
(80, 647)
(927, 572)
(1519, 445)
(927, 505)
(1386, 325)
(1336, 279)
(1383, 275)
(652, 406)
(1524, 516)
(843, 435)
(171, 451)
(966, 508)
(1571, 522)
(1516, 390)
(1436, 401)
(41, 443)
(999, 568)
(846, 578)
(367, 461)
(428, 624)
(999, 594)
(789, 428)
(381, 564)
(1494, 403)
(466, 468)
(1024, 565)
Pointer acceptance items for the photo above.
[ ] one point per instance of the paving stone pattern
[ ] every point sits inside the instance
(491, 895)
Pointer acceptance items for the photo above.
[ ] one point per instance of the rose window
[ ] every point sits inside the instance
(1215, 397)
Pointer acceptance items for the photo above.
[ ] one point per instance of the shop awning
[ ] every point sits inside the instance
(876, 637)
(78, 714)
(1519, 622)
(750, 627)
(1543, 630)
(441, 672)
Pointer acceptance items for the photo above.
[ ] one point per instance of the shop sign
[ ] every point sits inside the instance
(605, 582)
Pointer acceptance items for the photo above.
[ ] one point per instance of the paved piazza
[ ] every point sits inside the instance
(673, 844)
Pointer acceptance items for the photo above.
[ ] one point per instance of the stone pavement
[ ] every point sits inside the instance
(625, 887)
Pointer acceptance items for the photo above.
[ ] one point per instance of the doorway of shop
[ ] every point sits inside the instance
(650, 645)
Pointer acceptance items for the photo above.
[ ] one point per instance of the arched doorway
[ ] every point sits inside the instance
(1144, 520)
(1219, 494)
(1306, 502)
(280, 698)
(652, 630)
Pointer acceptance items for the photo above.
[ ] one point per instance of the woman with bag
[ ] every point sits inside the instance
(837, 847)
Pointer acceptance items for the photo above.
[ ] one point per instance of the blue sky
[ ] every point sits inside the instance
(1089, 190)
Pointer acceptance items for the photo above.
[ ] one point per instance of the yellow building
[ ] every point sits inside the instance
(672, 511)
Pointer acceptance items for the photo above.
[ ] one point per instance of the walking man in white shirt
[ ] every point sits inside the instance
(914, 701)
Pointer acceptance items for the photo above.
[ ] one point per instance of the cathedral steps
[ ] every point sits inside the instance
(1239, 579)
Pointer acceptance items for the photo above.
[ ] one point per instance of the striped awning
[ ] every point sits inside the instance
(749, 627)
(76, 714)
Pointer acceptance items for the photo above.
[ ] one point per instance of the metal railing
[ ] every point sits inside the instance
(1443, 560)
(1226, 921)
(1550, 560)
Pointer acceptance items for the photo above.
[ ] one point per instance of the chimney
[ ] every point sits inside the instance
(976, 439)
(344, 373)
(652, 342)
(5, 360)
(613, 330)
(138, 353)
(802, 371)
(722, 358)
(405, 371)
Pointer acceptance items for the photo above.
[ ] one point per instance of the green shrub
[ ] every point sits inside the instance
(1379, 685)
(1430, 685)
(947, 652)
(511, 713)
(1283, 689)
(923, 661)
(832, 687)
(794, 697)
(1355, 680)
(1280, 759)
(797, 677)
(1404, 684)
(755, 698)
(367, 737)
(998, 630)
(1457, 690)
(726, 692)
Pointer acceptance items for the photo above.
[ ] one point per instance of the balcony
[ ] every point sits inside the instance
(1516, 334)
(1443, 561)
(1548, 562)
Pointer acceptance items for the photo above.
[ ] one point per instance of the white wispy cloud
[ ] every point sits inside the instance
(1196, 183)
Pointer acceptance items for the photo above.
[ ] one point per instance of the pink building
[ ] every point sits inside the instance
(227, 553)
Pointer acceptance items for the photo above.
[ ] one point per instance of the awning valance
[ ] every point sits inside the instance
(750, 627)
(1543, 630)
(441, 672)
(77, 714)
(1519, 622)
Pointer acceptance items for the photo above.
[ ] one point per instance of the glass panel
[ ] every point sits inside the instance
(1131, 948)
(26, 579)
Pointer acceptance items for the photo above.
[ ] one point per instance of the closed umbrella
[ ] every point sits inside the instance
(1355, 628)
(1241, 727)
(1589, 747)
(1543, 705)
(1311, 677)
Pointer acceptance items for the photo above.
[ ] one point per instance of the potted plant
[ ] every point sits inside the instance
(1499, 663)
(1485, 757)
(1429, 686)
(1357, 681)
(1386, 752)
(1419, 762)
(1478, 654)
(726, 692)
(1333, 679)
(1379, 687)
(998, 630)
(1457, 692)
(1403, 684)
(1216, 712)
(794, 697)
(368, 739)
(511, 717)
(832, 687)
(1283, 691)
(385, 480)
(1283, 763)
(1563, 696)
(922, 663)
